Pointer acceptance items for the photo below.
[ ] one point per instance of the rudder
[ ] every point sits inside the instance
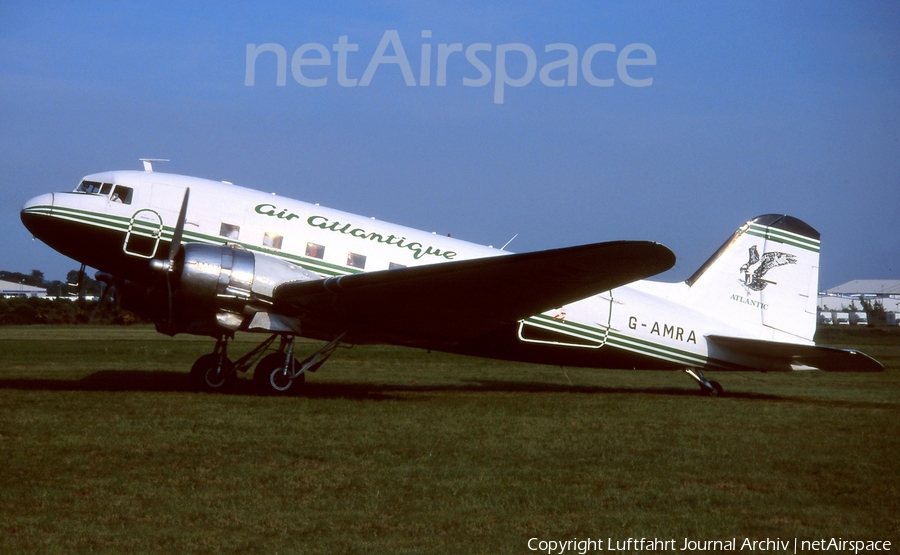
(766, 274)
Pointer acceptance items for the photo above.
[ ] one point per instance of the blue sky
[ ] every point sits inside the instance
(753, 109)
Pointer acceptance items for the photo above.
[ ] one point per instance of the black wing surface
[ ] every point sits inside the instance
(778, 355)
(459, 300)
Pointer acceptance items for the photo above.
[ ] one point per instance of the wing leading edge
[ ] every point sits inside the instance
(455, 301)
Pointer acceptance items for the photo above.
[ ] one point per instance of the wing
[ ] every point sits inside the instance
(780, 356)
(454, 301)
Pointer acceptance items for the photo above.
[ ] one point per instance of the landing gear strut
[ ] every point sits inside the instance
(214, 372)
(278, 373)
(281, 374)
(707, 388)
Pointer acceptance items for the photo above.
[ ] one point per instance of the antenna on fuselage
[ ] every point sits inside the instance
(148, 162)
(508, 242)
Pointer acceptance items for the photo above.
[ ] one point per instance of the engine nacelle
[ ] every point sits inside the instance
(217, 287)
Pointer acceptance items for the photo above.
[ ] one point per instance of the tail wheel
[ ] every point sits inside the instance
(715, 391)
(208, 376)
(271, 378)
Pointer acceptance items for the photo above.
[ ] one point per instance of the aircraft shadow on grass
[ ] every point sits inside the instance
(163, 381)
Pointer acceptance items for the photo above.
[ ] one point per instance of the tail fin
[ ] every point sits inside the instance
(766, 274)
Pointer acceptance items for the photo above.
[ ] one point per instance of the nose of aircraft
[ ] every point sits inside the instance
(36, 208)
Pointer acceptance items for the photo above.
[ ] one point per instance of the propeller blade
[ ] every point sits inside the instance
(80, 280)
(107, 292)
(168, 264)
(179, 228)
(173, 250)
(169, 297)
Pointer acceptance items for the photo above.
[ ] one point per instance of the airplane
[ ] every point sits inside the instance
(211, 258)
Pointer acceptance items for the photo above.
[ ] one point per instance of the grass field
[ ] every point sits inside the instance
(105, 450)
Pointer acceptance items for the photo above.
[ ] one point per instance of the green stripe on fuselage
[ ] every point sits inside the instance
(619, 340)
(120, 224)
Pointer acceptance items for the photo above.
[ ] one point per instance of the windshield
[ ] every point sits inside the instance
(93, 187)
(120, 194)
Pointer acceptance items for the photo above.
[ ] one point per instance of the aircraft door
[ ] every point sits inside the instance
(143, 235)
(146, 227)
(582, 324)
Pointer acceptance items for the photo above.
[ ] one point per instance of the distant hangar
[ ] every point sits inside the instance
(10, 289)
(886, 291)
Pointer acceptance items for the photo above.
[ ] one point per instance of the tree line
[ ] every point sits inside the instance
(65, 303)
(89, 286)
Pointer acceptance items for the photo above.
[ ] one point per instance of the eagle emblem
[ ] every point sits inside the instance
(757, 267)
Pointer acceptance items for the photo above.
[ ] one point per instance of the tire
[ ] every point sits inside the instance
(270, 379)
(715, 391)
(205, 376)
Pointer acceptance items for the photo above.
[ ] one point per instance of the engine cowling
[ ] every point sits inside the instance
(216, 287)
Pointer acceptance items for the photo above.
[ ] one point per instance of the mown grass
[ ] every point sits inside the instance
(105, 450)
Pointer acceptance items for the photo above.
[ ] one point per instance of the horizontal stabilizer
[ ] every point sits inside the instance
(464, 299)
(777, 355)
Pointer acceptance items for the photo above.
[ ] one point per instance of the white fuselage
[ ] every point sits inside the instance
(657, 321)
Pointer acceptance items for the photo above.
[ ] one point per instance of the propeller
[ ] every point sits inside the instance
(109, 290)
(179, 227)
(168, 265)
(80, 280)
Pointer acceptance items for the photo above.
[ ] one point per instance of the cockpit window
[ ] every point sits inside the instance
(89, 187)
(121, 194)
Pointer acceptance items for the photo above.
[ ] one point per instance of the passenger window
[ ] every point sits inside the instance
(395, 266)
(356, 260)
(314, 250)
(272, 240)
(121, 194)
(230, 231)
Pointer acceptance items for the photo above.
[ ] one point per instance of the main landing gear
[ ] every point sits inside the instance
(278, 373)
(707, 388)
(214, 372)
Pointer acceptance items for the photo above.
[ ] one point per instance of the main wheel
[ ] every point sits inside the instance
(271, 379)
(207, 376)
